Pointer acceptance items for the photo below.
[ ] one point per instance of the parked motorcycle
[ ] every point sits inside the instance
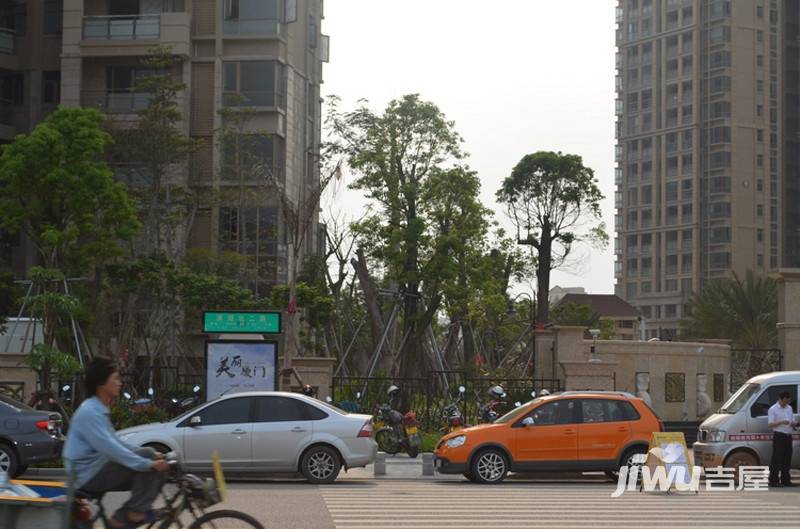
(452, 416)
(394, 431)
(489, 411)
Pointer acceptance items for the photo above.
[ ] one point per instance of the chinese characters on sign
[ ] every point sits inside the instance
(240, 366)
(242, 322)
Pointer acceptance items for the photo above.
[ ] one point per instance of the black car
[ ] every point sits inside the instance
(27, 436)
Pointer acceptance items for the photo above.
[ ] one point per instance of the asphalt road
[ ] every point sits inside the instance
(358, 502)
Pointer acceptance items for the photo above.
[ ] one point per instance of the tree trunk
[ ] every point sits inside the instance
(371, 299)
(292, 325)
(543, 269)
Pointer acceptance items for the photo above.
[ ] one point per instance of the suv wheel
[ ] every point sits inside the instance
(320, 465)
(489, 467)
(626, 461)
(9, 463)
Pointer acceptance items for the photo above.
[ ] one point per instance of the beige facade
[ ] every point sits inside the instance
(703, 162)
(259, 58)
(680, 380)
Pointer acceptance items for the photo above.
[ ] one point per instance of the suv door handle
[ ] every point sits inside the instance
(238, 431)
(569, 431)
(298, 429)
(622, 429)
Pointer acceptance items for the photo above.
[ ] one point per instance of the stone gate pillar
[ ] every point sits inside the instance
(789, 316)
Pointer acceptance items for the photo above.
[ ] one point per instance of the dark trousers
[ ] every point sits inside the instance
(781, 458)
(144, 486)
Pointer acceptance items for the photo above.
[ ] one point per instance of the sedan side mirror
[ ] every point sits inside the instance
(527, 421)
(195, 421)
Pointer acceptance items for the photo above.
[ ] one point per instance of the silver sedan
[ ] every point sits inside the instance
(265, 432)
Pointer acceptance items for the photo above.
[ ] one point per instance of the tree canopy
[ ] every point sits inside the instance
(553, 200)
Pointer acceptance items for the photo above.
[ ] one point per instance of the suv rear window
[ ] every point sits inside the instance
(607, 410)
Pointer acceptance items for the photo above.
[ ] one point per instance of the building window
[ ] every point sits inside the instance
(686, 213)
(675, 386)
(51, 88)
(12, 88)
(760, 235)
(686, 190)
(53, 15)
(252, 17)
(720, 9)
(245, 157)
(253, 232)
(631, 290)
(720, 184)
(647, 195)
(720, 210)
(671, 285)
(720, 160)
(720, 135)
(672, 166)
(721, 83)
(720, 260)
(720, 235)
(720, 109)
(671, 192)
(14, 15)
(253, 84)
(719, 34)
(686, 263)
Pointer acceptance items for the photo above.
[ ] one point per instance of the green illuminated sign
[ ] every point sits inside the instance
(242, 322)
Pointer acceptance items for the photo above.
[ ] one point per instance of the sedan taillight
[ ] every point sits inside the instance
(49, 425)
(366, 430)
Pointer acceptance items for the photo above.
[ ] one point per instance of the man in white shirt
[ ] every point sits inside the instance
(781, 421)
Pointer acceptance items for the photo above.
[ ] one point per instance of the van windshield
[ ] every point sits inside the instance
(740, 398)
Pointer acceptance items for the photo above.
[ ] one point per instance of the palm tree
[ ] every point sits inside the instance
(743, 311)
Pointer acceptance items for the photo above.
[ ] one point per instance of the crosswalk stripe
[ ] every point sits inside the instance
(441, 505)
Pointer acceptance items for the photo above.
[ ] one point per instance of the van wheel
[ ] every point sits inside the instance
(489, 467)
(740, 459)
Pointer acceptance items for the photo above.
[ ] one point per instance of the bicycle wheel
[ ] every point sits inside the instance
(226, 520)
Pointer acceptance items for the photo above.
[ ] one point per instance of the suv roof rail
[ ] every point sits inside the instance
(602, 392)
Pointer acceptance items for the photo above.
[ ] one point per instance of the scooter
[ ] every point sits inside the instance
(489, 411)
(394, 431)
(452, 416)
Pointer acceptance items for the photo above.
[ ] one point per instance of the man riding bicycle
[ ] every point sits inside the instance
(100, 462)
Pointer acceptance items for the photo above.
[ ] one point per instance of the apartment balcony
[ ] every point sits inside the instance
(129, 35)
(116, 101)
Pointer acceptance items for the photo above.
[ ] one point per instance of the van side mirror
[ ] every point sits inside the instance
(195, 421)
(527, 421)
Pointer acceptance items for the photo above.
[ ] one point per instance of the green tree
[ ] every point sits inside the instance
(407, 159)
(57, 191)
(744, 311)
(156, 150)
(575, 314)
(554, 202)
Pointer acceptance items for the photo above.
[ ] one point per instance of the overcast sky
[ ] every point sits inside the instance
(516, 76)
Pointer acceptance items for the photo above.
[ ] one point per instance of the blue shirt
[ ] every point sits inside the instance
(92, 442)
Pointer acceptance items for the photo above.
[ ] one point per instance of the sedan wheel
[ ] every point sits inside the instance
(490, 467)
(321, 465)
(8, 460)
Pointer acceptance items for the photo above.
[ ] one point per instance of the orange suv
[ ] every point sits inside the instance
(570, 431)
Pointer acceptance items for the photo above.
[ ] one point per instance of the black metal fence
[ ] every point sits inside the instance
(428, 396)
(747, 363)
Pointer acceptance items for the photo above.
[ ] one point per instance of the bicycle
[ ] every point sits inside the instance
(194, 496)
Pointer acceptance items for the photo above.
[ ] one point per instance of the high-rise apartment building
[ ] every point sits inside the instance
(260, 57)
(707, 170)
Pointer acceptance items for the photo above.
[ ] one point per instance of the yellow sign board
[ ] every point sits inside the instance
(668, 449)
(219, 477)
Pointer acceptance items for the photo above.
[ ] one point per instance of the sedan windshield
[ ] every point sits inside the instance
(516, 412)
(740, 398)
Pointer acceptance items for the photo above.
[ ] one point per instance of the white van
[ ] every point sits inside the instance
(737, 434)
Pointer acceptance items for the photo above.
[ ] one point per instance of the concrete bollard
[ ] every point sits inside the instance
(379, 467)
(427, 464)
